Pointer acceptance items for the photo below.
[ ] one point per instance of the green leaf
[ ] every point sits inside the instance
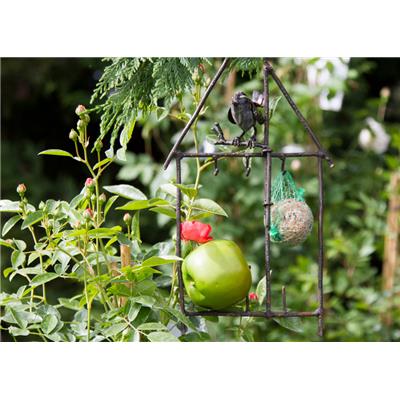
(102, 162)
(17, 258)
(189, 191)
(97, 232)
(43, 278)
(55, 152)
(261, 290)
(155, 261)
(123, 239)
(144, 272)
(109, 203)
(9, 206)
(115, 329)
(273, 103)
(9, 224)
(126, 134)
(181, 318)
(142, 204)
(208, 205)
(169, 188)
(162, 337)
(133, 311)
(294, 324)
(14, 331)
(104, 232)
(152, 326)
(49, 323)
(21, 245)
(7, 271)
(146, 301)
(32, 219)
(76, 200)
(165, 210)
(69, 303)
(18, 318)
(200, 215)
(126, 191)
(135, 228)
(111, 241)
(195, 337)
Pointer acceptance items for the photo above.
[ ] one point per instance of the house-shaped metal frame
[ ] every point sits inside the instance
(267, 154)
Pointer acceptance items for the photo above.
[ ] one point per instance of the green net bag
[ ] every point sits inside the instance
(291, 217)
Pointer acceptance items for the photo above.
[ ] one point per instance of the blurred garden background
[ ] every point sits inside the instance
(353, 105)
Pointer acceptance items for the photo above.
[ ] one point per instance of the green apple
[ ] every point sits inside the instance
(216, 274)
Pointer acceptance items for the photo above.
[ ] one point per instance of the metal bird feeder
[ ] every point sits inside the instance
(267, 154)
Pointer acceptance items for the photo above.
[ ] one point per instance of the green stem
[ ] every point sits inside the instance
(31, 229)
(88, 305)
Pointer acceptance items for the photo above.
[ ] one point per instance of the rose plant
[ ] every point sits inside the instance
(72, 243)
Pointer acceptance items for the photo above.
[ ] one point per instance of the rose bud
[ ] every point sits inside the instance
(88, 214)
(196, 231)
(127, 218)
(253, 296)
(89, 183)
(80, 110)
(98, 145)
(21, 189)
(80, 125)
(102, 198)
(73, 135)
(85, 118)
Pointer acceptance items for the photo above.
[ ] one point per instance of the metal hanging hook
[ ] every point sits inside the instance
(248, 167)
(283, 159)
(216, 169)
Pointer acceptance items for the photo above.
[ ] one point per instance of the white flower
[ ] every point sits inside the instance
(365, 139)
(319, 75)
(374, 137)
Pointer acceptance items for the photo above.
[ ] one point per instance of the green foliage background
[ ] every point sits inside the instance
(38, 99)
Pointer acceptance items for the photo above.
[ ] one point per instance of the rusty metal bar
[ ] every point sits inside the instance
(267, 189)
(197, 111)
(240, 144)
(264, 314)
(321, 248)
(178, 234)
(244, 154)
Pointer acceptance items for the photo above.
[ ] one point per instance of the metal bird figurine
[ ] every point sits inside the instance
(243, 112)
